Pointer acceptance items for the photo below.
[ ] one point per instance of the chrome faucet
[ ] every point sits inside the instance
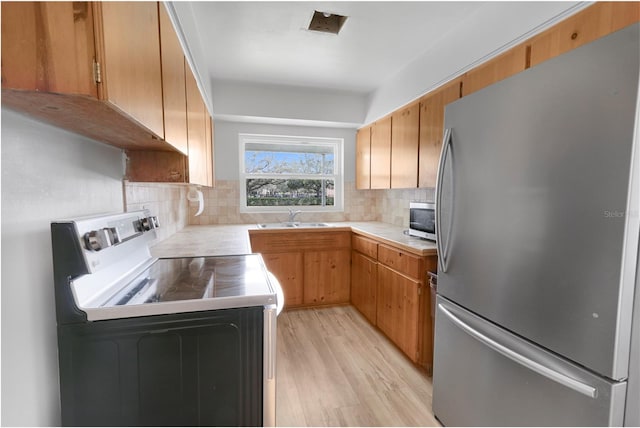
(293, 214)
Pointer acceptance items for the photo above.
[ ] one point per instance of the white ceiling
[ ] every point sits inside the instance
(267, 42)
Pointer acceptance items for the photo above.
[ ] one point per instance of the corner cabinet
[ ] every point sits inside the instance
(95, 68)
(313, 266)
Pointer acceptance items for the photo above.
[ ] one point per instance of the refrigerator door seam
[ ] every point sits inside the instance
(558, 377)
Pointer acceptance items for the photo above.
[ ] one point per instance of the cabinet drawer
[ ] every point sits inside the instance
(398, 260)
(366, 246)
(298, 241)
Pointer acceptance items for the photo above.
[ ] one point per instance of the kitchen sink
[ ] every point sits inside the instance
(286, 225)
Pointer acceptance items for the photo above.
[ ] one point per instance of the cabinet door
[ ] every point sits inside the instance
(586, 26)
(327, 276)
(196, 130)
(507, 64)
(364, 280)
(209, 144)
(431, 130)
(129, 54)
(173, 84)
(48, 47)
(288, 268)
(405, 125)
(398, 310)
(363, 158)
(381, 154)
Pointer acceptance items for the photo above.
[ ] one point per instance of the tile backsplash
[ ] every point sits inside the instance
(221, 206)
(167, 201)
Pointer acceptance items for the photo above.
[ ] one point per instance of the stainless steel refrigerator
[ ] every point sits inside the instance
(537, 225)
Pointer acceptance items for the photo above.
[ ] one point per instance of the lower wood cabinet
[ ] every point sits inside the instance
(313, 267)
(289, 270)
(389, 287)
(364, 284)
(398, 310)
(326, 276)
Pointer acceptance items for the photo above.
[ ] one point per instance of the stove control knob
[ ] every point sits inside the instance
(149, 223)
(97, 240)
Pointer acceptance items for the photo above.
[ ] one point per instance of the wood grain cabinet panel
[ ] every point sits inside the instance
(197, 133)
(366, 246)
(594, 22)
(327, 277)
(314, 266)
(89, 67)
(381, 154)
(402, 261)
(289, 270)
(431, 130)
(405, 130)
(363, 158)
(398, 310)
(129, 54)
(174, 95)
(507, 64)
(47, 47)
(211, 176)
(364, 281)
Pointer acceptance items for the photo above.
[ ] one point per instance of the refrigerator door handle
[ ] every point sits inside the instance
(442, 249)
(541, 369)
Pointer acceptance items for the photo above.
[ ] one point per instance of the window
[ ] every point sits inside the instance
(281, 172)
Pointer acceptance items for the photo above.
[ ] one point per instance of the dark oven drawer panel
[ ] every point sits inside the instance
(182, 370)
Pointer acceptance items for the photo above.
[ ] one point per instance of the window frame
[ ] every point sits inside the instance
(338, 174)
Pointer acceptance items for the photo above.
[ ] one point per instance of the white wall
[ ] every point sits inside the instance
(226, 144)
(505, 24)
(265, 103)
(47, 174)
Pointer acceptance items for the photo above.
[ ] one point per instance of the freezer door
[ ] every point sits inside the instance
(486, 376)
(533, 206)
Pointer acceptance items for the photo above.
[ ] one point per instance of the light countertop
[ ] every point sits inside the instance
(218, 240)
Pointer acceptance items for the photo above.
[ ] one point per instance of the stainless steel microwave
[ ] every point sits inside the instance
(422, 220)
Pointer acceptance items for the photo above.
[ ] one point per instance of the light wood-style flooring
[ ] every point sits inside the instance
(335, 369)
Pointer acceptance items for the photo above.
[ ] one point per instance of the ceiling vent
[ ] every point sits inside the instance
(326, 22)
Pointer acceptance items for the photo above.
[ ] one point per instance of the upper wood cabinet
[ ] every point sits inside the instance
(594, 22)
(405, 126)
(431, 130)
(128, 51)
(507, 64)
(174, 95)
(197, 134)
(37, 56)
(106, 87)
(211, 176)
(363, 158)
(114, 72)
(381, 154)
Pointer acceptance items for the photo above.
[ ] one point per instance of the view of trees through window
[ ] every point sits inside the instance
(294, 188)
(287, 174)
